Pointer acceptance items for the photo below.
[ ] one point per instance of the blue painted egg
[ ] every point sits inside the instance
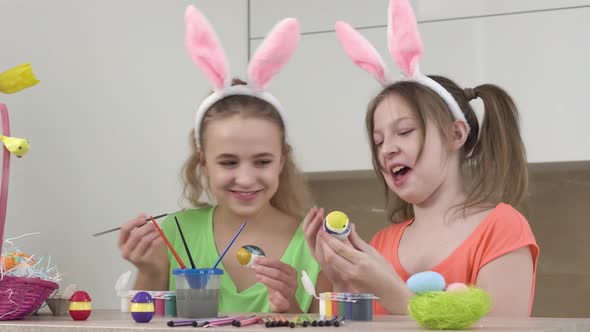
(426, 282)
(142, 297)
(142, 307)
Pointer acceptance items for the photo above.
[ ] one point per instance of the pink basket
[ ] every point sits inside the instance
(19, 296)
(28, 294)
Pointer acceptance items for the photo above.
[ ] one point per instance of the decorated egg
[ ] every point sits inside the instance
(80, 305)
(337, 224)
(142, 307)
(426, 282)
(14, 259)
(451, 310)
(457, 287)
(247, 255)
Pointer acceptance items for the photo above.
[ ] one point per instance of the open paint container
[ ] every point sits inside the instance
(164, 301)
(351, 306)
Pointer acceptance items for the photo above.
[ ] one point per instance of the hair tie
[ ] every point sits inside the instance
(470, 94)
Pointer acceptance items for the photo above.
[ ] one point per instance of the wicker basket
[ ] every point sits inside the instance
(28, 294)
(19, 296)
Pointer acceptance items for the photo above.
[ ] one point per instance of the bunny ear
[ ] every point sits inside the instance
(204, 48)
(360, 50)
(274, 52)
(403, 36)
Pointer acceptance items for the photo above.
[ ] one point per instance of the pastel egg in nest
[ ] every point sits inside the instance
(457, 308)
(450, 310)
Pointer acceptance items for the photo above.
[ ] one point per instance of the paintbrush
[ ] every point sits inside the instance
(118, 228)
(229, 245)
(188, 252)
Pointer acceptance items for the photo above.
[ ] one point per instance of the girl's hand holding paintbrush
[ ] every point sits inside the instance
(141, 244)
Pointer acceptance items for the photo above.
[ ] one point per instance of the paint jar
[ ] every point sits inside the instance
(159, 304)
(362, 309)
(197, 292)
(125, 299)
(165, 303)
(170, 304)
(353, 307)
(58, 306)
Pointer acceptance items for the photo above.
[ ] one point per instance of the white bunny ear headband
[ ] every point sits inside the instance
(405, 46)
(207, 53)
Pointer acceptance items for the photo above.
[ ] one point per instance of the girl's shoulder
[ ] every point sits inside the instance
(505, 230)
(386, 237)
(504, 217)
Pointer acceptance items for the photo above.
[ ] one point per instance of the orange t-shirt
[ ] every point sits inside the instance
(502, 231)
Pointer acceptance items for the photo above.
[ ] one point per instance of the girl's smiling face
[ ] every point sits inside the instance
(243, 159)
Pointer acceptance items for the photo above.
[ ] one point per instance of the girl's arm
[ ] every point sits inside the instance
(356, 266)
(364, 269)
(509, 281)
(143, 246)
(146, 281)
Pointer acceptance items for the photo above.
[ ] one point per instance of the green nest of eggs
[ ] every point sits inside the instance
(457, 310)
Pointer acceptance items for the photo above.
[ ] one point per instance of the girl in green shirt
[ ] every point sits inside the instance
(241, 169)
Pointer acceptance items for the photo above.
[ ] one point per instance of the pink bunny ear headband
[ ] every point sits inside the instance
(405, 46)
(207, 53)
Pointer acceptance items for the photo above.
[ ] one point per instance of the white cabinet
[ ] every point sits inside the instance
(540, 58)
(317, 16)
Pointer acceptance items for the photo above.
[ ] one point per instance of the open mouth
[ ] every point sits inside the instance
(400, 173)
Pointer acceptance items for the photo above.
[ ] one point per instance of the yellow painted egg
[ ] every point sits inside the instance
(247, 255)
(337, 224)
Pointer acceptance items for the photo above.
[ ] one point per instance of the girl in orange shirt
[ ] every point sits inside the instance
(450, 184)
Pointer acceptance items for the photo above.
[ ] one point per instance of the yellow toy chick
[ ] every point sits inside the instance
(17, 79)
(17, 146)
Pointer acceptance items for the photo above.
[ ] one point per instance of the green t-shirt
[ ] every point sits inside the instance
(197, 227)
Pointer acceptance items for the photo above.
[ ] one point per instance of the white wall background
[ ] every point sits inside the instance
(109, 122)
